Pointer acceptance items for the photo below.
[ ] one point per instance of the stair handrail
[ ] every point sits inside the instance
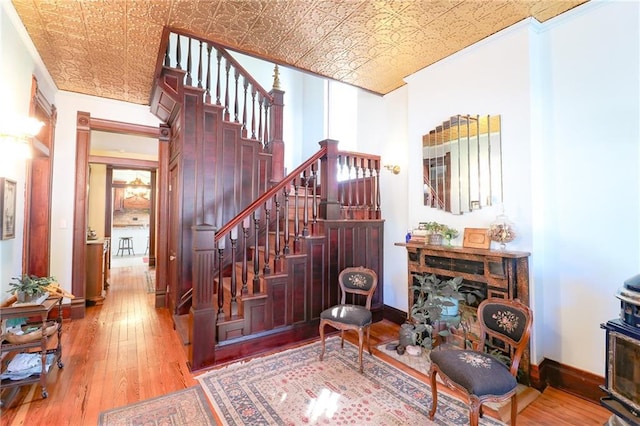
(259, 202)
(245, 74)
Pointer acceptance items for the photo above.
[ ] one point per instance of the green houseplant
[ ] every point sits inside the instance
(435, 300)
(29, 287)
(437, 231)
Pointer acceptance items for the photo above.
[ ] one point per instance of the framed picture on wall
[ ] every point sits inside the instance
(8, 208)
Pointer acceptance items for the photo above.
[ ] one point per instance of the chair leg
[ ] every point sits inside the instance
(474, 410)
(322, 339)
(369, 340)
(360, 345)
(514, 409)
(434, 392)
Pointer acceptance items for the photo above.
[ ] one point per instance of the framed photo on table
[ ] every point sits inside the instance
(7, 208)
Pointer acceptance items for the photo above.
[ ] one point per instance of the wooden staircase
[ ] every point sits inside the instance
(257, 253)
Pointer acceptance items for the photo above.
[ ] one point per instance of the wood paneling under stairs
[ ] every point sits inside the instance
(126, 350)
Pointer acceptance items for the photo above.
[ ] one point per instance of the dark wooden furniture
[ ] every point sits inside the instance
(349, 315)
(97, 270)
(475, 373)
(41, 345)
(493, 273)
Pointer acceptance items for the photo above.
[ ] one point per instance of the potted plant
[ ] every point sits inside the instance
(29, 287)
(435, 300)
(437, 231)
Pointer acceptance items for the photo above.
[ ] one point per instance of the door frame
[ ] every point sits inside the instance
(84, 125)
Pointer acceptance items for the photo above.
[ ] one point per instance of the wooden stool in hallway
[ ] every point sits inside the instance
(125, 244)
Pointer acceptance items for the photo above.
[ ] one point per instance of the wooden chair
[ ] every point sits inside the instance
(355, 281)
(481, 376)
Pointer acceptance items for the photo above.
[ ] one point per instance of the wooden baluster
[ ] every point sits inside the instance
(189, 81)
(219, 59)
(256, 255)
(341, 186)
(200, 66)
(285, 250)
(253, 112)
(314, 174)
(265, 139)
(235, 98)
(369, 193)
(234, 302)
(245, 245)
(207, 93)
(266, 269)
(350, 162)
(220, 282)
(305, 214)
(244, 107)
(226, 90)
(296, 217)
(377, 191)
(359, 187)
(260, 101)
(167, 54)
(178, 54)
(276, 245)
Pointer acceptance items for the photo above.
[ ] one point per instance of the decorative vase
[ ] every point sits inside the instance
(502, 231)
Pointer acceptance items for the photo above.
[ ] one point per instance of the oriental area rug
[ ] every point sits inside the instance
(421, 363)
(185, 407)
(294, 387)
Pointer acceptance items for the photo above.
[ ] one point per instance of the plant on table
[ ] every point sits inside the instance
(27, 287)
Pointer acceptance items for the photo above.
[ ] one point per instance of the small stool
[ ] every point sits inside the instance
(125, 244)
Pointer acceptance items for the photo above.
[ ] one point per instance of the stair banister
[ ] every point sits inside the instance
(275, 189)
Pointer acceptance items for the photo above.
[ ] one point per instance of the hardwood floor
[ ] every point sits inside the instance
(126, 351)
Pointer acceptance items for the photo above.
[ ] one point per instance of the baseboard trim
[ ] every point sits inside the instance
(572, 380)
(394, 315)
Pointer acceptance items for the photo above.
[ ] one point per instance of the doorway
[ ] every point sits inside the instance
(89, 132)
(132, 217)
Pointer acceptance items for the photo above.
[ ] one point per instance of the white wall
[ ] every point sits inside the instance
(589, 154)
(568, 95)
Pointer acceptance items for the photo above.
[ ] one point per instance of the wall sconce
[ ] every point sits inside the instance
(16, 134)
(395, 169)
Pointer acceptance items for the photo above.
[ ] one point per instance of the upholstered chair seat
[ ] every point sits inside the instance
(348, 314)
(479, 373)
(358, 282)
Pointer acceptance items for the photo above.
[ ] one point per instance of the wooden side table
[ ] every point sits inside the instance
(41, 345)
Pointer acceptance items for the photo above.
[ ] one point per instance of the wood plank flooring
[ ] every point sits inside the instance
(126, 351)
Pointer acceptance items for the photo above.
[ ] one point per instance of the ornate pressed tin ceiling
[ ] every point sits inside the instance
(109, 48)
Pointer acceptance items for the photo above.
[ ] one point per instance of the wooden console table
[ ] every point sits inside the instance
(496, 273)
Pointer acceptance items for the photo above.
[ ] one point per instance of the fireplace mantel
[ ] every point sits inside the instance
(498, 273)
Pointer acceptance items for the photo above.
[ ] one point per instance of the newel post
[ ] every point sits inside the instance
(329, 207)
(202, 315)
(276, 144)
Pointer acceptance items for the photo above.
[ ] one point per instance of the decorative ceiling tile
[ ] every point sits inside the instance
(110, 47)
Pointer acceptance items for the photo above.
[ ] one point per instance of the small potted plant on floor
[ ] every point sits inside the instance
(435, 304)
